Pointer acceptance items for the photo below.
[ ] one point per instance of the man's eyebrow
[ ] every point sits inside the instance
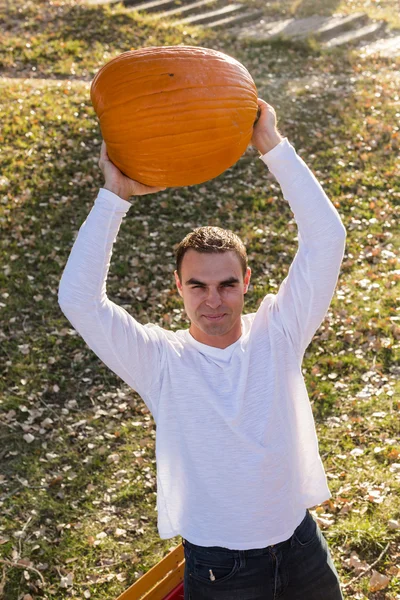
(193, 281)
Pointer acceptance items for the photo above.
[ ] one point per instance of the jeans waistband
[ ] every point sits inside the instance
(249, 552)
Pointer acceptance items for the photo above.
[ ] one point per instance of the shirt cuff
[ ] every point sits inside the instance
(275, 152)
(284, 163)
(114, 200)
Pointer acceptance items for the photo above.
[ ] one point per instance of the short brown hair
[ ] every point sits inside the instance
(211, 239)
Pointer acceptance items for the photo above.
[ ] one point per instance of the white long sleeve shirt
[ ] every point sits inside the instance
(236, 448)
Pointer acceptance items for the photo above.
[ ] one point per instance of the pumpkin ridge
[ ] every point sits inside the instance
(204, 101)
(177, 63)
(174, 56)
(206, 153)
(169, 62)
(155, 54)
(114, 106)
(145, 118)
(173, 51)
(194, 143)
(203, 128)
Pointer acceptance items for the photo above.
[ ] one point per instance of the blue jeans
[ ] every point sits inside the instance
(299, 568)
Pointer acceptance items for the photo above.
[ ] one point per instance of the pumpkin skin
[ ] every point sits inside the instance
(174, 116)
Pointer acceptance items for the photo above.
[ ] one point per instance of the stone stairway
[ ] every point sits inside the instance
(330, 31)
(210, 13)
(250, 23)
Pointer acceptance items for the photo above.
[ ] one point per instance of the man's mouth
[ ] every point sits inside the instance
(214, 317)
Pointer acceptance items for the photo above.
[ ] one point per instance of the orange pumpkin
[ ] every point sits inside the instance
(174, 115)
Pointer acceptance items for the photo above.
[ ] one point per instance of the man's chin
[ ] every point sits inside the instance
(215, 328)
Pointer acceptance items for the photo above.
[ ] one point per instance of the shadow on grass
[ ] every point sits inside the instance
(73, 41)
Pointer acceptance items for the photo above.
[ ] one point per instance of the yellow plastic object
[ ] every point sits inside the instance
(157, 583)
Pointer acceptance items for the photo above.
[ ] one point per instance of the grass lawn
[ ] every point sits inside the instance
(77, 451)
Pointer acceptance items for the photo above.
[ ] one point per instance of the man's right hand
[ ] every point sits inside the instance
(118, 183)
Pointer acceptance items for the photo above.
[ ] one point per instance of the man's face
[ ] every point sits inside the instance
(212, 289)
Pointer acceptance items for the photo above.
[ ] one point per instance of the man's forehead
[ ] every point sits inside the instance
(214, 265)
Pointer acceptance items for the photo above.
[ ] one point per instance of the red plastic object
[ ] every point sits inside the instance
(176, 594)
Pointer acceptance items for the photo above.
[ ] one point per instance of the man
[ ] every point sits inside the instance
(237, 454)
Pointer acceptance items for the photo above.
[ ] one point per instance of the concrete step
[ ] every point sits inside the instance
(213, 15)
(389, 47)
(192, 8)
(151, 5)
(235, 20)
(148, 6)
(353, 37)
(157, 5)
(336, 25)
(325, 29)
(99, 2)
(289, 28)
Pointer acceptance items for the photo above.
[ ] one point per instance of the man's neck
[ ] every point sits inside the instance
(216, 341)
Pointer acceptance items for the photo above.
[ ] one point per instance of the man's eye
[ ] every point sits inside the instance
(197, 286)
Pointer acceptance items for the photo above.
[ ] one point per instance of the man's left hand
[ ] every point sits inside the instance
(265, 135)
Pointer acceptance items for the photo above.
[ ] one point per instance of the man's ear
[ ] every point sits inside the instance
(247, 279)
(178, 283)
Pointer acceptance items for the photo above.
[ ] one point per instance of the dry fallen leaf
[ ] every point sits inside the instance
(324, 520)
(378, 581)
(393, 524)
(113, 458)
(120, 532)
(355, 563)
(375, 496)
(67, 581)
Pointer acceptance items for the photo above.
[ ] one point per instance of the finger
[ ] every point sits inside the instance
(265, 106)
(153, 190)
(102, 157)
(104, 154)
(262, 103)
(145, 189)
(259, 112)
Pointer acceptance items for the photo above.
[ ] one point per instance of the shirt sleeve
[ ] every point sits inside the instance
(305, 294)
(131, 350)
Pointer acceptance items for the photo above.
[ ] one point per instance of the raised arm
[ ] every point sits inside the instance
(131, 350)
(305, 294)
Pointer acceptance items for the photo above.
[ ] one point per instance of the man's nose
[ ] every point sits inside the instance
(213, 299)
